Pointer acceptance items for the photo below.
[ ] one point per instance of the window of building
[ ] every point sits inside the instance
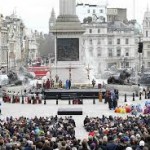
(90, 41)
(110, 41)
(98, 30)
(93, 11)
(109, 65)
(83, 41)
(146, 33)
(148, 46)
(99, 52)
(118, 52)
(126, 52)
(127, 41)
(110, 52)
(99, 68)
(11, 47)
(101, 10)
(148, 64)
(98, 41)
(127, 64)
(88, 10)
(148, 54)
(90, 30)
(91, 51)
(118, 41)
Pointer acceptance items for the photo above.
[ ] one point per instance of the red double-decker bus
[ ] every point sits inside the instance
(39, 71)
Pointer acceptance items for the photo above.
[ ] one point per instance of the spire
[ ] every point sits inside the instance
(14, 14)
(147, 7)
(52, 19)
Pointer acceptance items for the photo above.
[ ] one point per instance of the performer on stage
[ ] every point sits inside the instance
(60, 84)
(93, 83)
(69, 83)
(52, 83)
(48, 84)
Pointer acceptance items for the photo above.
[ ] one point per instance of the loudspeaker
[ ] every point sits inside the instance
(69, 111)
(140, 47)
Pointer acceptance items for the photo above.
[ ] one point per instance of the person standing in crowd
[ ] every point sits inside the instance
(110, 102)
(114, 99)
(106, 96)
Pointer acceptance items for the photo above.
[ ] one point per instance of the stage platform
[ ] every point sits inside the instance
(66, 94)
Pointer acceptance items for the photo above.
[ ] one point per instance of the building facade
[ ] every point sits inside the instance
(116, 14)
(31, 47)
(110, 44)
(96, 12)
(4, 51)
(146, 41)
(17, 44)
(16, 35)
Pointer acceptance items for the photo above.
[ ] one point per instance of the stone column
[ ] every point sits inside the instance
(67, 7)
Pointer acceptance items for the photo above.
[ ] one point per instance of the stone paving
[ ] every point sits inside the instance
(88, 108)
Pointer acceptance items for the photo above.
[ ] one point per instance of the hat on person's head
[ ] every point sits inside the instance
(105, 138)
(138, 136)
(90, 137)
(110, 138)
(126, 139)
(141, 143)
(129, 148)
(30, 142)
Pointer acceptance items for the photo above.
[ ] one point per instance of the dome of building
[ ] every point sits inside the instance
(147, 14)
(137, 28)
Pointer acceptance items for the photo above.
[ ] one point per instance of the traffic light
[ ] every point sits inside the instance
(140, 47)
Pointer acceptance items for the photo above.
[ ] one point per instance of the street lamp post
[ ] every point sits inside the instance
(50, 69)
(7, 60)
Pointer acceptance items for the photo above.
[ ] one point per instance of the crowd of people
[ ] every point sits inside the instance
(49, 133)
(44, 133)
(29, 98)
(111, 97)
(118, 133)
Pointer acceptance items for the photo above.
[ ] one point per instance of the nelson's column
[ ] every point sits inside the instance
(68, 31)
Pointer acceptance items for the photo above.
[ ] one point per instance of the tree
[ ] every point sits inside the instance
(46, 45)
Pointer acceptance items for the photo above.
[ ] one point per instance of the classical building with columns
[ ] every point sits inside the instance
(17, 43)
(110, 44)
(85, 10)
(16, 35)
(31, 47)
(106, 43)
(3, 43)
(146, 41)
(12, 36)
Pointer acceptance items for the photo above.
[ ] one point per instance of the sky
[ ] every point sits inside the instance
(35, 13)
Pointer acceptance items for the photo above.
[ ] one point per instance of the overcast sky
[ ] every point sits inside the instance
(36, 13)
